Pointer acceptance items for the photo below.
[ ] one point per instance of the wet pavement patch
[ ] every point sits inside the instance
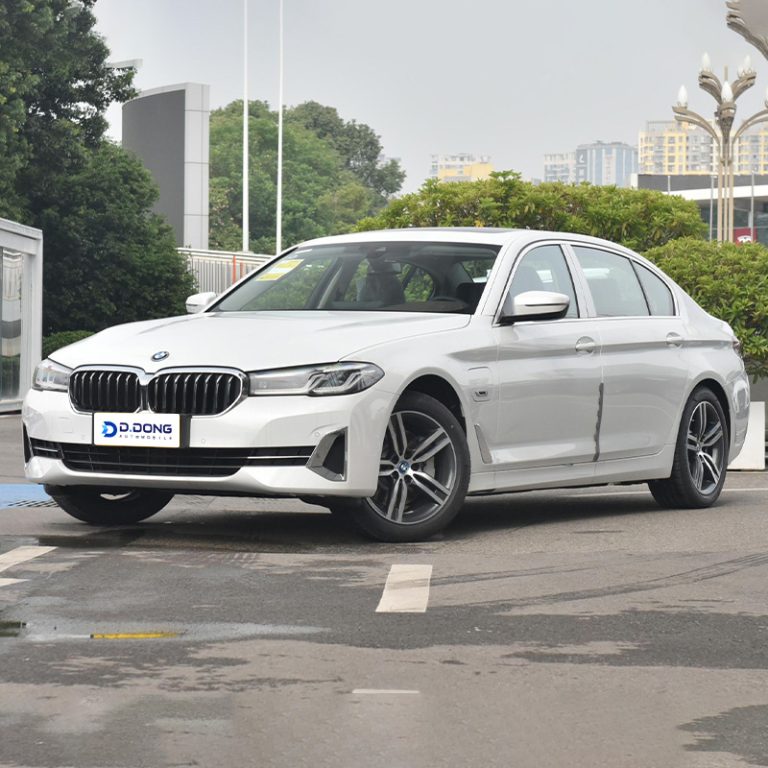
(742, 731)
(11, 628)
(669, 638)
(93, 538)
(174, 667)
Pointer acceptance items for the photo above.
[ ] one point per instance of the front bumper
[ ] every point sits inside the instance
(257, 422)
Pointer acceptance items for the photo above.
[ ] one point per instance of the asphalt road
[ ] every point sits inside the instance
(572, 628)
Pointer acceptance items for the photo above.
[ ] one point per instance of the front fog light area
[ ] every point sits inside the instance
(315, 380)
(329, 459)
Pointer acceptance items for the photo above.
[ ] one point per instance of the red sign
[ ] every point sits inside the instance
(744, 235)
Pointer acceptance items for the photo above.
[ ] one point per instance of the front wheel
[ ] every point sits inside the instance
(94, 506)
(701, 456)
(423, 474)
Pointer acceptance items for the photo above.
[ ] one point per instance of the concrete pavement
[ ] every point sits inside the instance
(571, 628)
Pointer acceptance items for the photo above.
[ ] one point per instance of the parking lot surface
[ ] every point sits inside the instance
(558, 628)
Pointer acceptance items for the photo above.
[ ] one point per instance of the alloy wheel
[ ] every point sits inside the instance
(706, 447)
(417, 470)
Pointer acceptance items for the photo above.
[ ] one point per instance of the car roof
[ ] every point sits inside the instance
(471, 235)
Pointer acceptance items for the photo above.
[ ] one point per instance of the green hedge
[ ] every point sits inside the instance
(58, 340)
(731, 282)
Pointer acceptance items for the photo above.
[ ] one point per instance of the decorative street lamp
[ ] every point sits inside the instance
(722, 133)
(750, 19)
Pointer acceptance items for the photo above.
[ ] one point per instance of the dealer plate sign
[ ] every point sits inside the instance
(151, 430)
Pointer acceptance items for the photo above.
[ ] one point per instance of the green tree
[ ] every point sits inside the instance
(730, 282)
(54, 88)
(639, 219)
(328, 185)
(107, 259)
(358, 145)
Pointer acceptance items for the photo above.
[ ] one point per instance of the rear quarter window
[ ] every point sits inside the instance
(656, 292)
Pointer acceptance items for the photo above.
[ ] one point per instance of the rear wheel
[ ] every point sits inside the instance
(423, 474)
(701, 456)
(94, 506)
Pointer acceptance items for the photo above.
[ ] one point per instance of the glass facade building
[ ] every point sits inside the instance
(21, 305)
(601, 163)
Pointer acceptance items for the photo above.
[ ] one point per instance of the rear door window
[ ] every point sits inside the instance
(612, 281)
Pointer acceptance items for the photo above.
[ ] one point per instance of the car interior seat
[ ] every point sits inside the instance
(381, 285)
(470, 294)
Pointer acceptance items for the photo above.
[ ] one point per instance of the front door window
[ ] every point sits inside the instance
(544, 269)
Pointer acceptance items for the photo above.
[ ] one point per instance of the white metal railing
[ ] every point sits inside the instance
(217, 270)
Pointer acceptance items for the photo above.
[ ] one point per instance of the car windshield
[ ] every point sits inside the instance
(371, 276)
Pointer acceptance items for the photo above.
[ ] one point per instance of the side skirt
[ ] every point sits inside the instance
(637, 469)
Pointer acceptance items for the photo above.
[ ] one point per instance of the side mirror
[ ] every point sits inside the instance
(534, 305)
(199, 301)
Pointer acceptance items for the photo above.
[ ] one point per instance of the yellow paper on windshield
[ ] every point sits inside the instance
(280, 270)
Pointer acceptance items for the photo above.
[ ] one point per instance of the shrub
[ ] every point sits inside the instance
(58, 340)
(730, 282)
(637, 218)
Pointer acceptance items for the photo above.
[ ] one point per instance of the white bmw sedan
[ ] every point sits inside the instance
(388, 375)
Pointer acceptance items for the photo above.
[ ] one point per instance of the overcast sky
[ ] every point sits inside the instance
(514, 79)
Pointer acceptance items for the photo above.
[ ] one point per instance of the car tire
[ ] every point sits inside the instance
(94, 506)
(701, 456)
(423, 475)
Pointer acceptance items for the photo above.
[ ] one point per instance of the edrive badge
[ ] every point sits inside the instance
(160, 355)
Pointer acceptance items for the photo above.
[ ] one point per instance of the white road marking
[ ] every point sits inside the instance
(406, 590)
(381, 691)
(21, 555)
(8, 582)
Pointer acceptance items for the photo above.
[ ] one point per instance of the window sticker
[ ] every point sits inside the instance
(280, 270)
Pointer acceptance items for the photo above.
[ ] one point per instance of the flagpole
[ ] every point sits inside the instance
(246, 207)
(279, 211)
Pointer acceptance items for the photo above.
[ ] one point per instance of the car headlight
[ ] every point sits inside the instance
(316, 380)
(51, 376)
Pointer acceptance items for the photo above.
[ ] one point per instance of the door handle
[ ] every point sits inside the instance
(674, 340)
(585, 346)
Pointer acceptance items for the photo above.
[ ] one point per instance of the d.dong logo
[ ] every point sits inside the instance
(110, 429)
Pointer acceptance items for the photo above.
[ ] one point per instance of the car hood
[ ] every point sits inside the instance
(251, 340)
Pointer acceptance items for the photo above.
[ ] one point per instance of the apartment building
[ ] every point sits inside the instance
(460, 167)
(667, 147)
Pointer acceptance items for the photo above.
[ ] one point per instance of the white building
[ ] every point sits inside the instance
(560, 166)
(21, 310)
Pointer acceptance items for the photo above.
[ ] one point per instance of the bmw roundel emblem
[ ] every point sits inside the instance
(160, 355)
